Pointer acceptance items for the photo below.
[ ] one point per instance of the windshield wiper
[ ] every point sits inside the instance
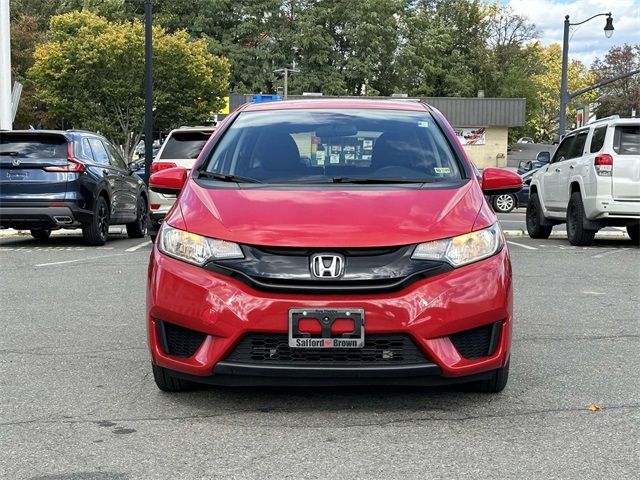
(379, 180)
(226, 178)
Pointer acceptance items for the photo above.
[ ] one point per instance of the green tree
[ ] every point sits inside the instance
(91, 73)
(623, 96)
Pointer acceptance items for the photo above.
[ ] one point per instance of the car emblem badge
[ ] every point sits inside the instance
(327, 265)
(15, 162)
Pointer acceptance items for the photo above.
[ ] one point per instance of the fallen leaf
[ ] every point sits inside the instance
(594, 407)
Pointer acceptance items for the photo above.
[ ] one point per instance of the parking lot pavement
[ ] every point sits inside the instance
(514, 224)
(77, 399)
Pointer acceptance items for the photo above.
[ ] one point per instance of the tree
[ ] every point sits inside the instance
(623, 96)
(91, 73)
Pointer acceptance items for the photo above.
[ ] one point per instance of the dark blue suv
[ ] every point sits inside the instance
(53, 179)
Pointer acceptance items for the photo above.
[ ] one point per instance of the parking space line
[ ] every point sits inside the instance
(521, 245)
(604, 254)
(143, 244)
(78, 260)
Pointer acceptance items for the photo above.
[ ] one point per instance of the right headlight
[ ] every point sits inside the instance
(463, 249)
(193, 248)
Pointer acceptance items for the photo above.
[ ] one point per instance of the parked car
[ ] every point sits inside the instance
(593, 181)
(51, 179)
(506, 202)
(180, 149)
(380, 262)
(525, 140)
(542, 158)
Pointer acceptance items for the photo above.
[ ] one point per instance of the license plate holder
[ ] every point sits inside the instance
(326, 318)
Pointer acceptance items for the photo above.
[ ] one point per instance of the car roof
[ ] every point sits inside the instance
(193, 129)
(334, 103)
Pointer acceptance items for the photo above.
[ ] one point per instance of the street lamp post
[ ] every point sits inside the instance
(564, 94)
(148, 88)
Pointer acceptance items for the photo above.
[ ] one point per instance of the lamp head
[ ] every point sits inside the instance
(608, 28)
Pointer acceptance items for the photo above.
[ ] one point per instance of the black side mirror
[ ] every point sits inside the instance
(134, 166)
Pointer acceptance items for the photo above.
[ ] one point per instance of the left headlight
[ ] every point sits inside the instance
(194, 248)
(463, 249)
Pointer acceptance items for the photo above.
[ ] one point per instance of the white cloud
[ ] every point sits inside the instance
(587, 42)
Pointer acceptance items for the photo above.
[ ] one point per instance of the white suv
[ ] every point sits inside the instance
(180, 149)
(592, 181)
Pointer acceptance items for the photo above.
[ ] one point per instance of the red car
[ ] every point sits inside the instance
(331, 242)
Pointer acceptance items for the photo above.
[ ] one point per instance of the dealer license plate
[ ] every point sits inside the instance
(326, 319)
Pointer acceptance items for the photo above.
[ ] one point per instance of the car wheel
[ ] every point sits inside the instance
(493, 384)
(504, 203)
(633, 230)
(534, 218)
(40, 233)
(168, 383)
(138, 229)
(96, 231)
(578, 235)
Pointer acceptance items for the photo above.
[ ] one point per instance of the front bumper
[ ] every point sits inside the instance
(226, 310)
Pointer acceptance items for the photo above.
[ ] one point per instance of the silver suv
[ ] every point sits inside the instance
(592, 181)
(180, 149)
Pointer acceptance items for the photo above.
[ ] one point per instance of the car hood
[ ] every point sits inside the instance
(351, 216)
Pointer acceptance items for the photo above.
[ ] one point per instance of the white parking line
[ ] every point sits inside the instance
(521, 245)
(604, 254)
(143, 244)
(78, 260)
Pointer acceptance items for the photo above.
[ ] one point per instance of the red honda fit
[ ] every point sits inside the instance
(331, 242)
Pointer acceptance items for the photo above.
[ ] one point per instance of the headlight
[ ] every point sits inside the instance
(463, 249)
(194, 248)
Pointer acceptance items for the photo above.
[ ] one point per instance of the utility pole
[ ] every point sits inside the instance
(6, 117)
(286, 72)
(148, 88)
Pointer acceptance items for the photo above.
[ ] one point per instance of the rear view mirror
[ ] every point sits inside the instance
(497, 181)
(337, 130)
(169, 181)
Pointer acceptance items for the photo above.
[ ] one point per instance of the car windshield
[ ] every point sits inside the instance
(328, 146)
(185, 145)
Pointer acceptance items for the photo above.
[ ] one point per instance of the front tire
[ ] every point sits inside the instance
(633, 230)
(535, 218)
(577, 234)
(138, 229)
(96, 231)
(40, 233)
(504, 203)
(493, 384)
(167, 383)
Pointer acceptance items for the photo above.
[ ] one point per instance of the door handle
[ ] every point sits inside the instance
(571, 167)
(558, 170)
(105, 171)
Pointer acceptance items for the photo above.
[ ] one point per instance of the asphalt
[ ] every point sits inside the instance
(77, 400)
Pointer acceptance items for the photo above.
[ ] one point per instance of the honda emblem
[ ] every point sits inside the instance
(327, 265)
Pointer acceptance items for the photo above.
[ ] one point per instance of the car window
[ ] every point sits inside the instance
(85, 150)
(99, 152)
(33, 146)
(115, 158)
(577, 147)
(626, 140)
(597, 140)
(184, 145)
(562, 153)
(543, 157)
(321, 146)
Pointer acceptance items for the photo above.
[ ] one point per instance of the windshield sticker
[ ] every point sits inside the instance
(423, 124)
(334, 158)
(442, 170)
(320, 155)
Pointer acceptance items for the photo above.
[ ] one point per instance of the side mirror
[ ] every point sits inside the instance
(169, 181)
(496, 181)
(135, 166)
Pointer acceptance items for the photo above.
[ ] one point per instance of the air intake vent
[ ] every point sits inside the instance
(179, 341)
(477, 342)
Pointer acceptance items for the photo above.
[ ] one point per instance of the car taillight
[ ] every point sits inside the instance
(73, 164)
(604, 164)
(157, 166)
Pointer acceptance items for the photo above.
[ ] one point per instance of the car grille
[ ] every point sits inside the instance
(179, 341)
(477, 342)
(378, 349)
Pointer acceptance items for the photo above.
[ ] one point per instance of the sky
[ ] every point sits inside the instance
(587, 42)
